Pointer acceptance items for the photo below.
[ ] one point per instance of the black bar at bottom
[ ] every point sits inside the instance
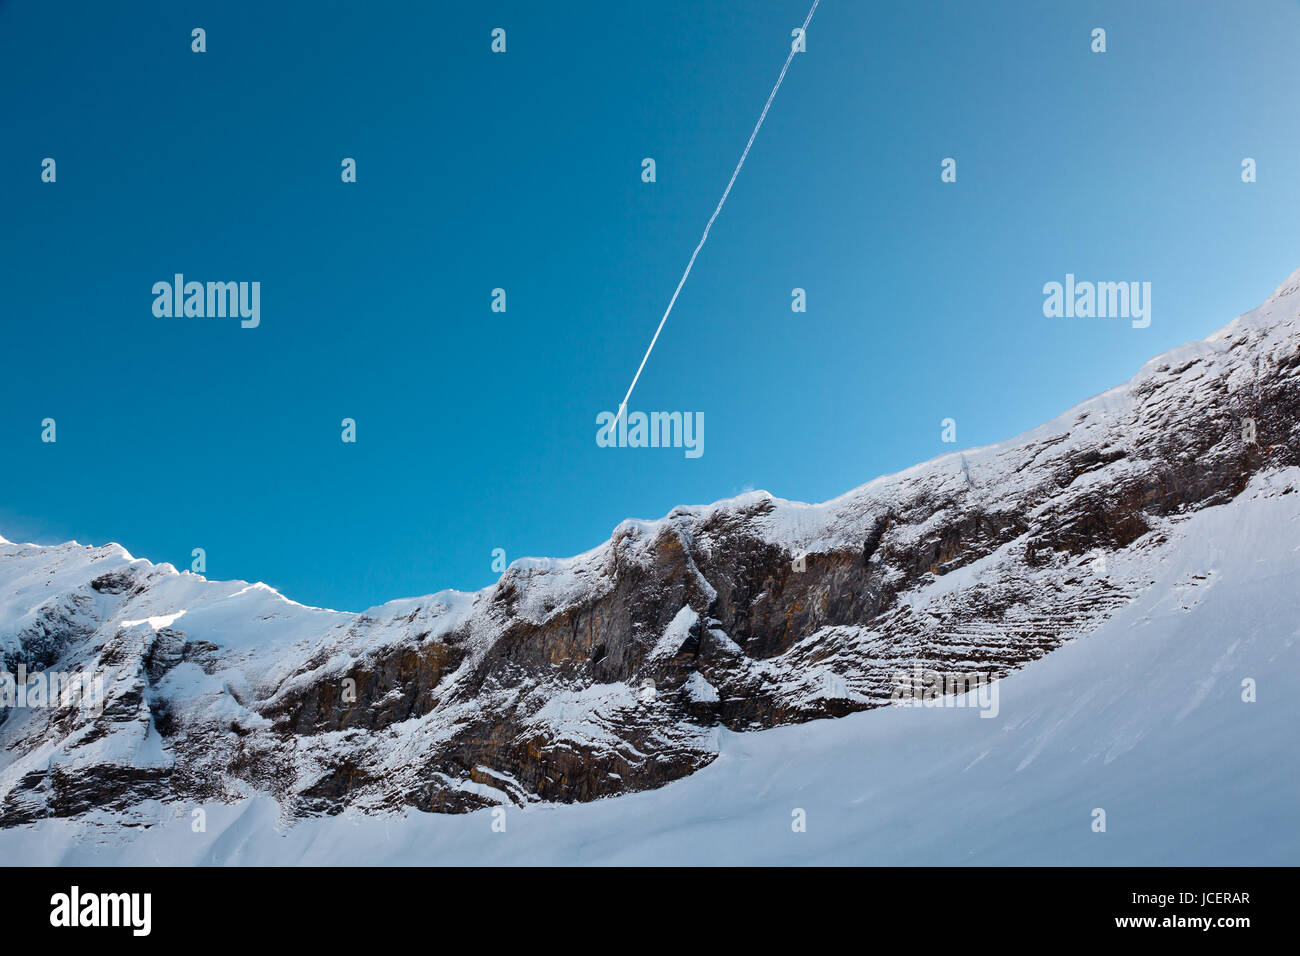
(305, 905)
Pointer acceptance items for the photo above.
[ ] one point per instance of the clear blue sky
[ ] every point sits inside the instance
(477, 430)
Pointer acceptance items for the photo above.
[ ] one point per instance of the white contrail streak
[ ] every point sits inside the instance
(726, 192)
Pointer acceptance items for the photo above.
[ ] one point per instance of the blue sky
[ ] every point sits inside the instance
(476, 430)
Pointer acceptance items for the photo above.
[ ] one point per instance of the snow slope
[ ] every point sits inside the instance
(1143, 718)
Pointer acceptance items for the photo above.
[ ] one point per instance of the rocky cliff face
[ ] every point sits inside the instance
(611, 671)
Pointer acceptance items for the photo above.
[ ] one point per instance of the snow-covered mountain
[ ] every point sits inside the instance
(1162, 514)
(1143, 719)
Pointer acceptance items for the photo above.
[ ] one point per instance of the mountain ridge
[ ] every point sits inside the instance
(612, 670)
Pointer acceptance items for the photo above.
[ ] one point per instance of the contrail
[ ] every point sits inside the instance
(622, 407)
